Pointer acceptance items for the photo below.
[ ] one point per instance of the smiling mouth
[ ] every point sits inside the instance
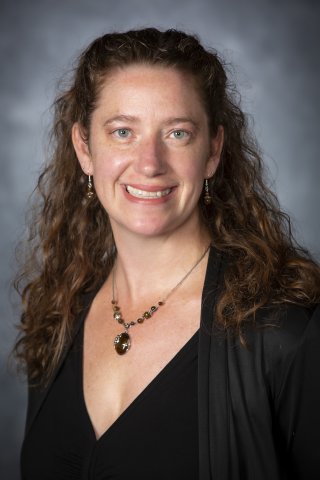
(135, 192)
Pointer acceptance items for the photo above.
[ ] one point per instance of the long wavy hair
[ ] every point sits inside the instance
(71, 243)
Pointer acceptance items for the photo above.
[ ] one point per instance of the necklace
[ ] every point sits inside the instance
(122, 341)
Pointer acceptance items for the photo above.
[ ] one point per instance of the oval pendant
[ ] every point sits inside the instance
(122, 343)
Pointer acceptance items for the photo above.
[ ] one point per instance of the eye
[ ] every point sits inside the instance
(180, 134)
(122, 132)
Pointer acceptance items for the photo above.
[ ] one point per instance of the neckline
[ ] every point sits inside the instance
(178, 357)
(209, 293)
(206, 292)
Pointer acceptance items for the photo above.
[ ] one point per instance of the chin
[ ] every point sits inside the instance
(147, 229)
(151, 231)
(150, 227)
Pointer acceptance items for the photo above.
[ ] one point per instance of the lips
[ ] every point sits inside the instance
(147, 194)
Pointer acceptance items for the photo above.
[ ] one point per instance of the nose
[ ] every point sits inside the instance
(150, 157)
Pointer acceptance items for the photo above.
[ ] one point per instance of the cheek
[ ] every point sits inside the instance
(194, 172)
(195, 164)
(106, 165)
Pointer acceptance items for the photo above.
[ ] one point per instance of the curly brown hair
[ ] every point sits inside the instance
(72, 247)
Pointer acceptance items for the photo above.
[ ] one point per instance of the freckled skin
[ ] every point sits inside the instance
(149, 131)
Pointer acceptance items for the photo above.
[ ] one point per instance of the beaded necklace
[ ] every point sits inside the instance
(122, 341)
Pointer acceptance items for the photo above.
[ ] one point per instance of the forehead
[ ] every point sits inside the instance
(149, 86)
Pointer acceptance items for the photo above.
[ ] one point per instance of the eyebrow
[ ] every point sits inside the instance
(169, 121)
(121, 118)
(173, 120)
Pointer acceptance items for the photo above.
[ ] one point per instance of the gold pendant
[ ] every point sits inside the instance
(122, 343)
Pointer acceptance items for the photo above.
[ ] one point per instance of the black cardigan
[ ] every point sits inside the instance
(259, 407)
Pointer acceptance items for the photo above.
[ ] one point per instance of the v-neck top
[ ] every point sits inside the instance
(156, 437)
(258, 407)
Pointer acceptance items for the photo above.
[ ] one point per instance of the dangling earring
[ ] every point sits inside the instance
(90, 192)
(207, 197)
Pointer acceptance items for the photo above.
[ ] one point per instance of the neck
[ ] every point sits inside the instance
(148, 267)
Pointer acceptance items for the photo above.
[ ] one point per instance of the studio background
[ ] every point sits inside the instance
(273, 46)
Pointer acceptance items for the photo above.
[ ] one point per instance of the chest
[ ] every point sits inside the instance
(111, 382)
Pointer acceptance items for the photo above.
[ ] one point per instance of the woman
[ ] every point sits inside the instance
(171, 328)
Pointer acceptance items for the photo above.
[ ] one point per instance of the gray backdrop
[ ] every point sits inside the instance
(273, 46)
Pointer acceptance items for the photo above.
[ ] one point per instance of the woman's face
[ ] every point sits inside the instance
(149, 150)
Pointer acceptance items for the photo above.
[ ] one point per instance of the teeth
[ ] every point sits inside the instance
(144, 194)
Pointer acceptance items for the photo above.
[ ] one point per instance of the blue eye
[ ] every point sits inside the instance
(122, 132)
(179, 134)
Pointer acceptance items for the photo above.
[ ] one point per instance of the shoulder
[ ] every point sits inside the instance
(38, 389)
(287, 326)
(286, 341)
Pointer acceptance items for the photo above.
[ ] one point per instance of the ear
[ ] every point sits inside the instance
(82, 149)
(216, 144)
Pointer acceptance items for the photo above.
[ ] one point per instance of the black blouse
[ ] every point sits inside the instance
(156, 437)
(258, 407)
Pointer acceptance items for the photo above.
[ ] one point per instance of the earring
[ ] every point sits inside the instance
(207, 197)
(90, 192)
